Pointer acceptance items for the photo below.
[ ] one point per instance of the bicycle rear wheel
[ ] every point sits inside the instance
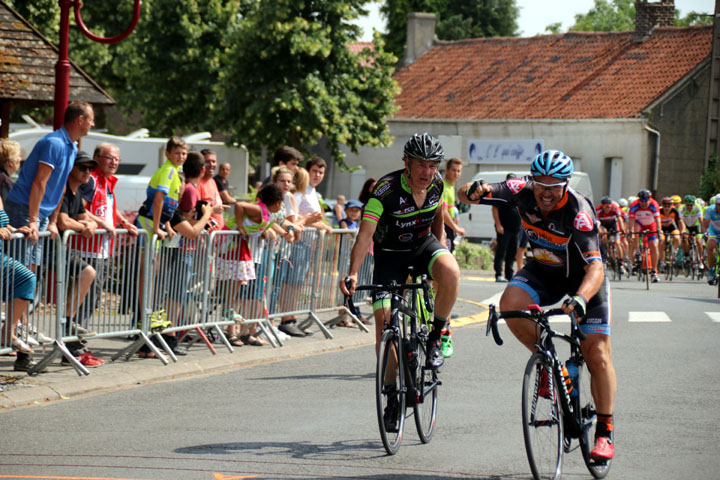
(588, 420)
(542, 420)
(425, 404)
(390, 392)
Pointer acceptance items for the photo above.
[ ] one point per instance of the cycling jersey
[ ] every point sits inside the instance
(691, 216)
(644, 216)
(564, 241)
(167, 181)
(670, 222)
(713, 216)
(401, 225)
(609, 219)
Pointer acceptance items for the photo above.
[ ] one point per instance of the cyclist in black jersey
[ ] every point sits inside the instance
(562, 229)
(404, 217)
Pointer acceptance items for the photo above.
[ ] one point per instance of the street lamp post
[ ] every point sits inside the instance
(62, 67)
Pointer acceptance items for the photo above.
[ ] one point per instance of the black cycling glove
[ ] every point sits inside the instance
(578, 303)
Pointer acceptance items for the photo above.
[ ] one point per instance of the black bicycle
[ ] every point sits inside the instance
(557, 406)
(401, 378)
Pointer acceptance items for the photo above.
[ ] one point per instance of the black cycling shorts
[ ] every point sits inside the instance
(549, 289)
(395, 265)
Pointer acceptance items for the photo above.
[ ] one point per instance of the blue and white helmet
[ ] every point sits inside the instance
(552, 163)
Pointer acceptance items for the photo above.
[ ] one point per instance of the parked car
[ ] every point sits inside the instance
(478, 222)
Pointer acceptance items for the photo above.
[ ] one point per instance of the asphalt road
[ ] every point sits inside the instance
(314, 417)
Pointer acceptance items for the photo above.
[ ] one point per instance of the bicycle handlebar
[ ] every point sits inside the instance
(533, 313)
(392, 287)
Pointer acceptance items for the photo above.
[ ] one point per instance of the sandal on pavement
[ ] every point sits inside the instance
(250, 340)
(235, 341)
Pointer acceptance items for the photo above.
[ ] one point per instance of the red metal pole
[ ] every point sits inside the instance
(62, 67)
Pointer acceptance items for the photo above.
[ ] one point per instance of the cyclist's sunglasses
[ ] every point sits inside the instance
(551, 186)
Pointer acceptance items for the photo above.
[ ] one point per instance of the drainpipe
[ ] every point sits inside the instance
(656, 166)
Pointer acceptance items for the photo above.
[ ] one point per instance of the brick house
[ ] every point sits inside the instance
(630, 107)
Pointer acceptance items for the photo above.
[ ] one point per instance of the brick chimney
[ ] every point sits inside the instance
(649, 15)
(420, 36)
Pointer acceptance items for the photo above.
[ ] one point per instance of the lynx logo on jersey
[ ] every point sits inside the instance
(515, 185)
(583, 222)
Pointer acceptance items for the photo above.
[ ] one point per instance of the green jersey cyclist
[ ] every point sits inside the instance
(404, 217)
(562, 229)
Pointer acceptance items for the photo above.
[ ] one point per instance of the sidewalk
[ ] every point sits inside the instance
(63, 382)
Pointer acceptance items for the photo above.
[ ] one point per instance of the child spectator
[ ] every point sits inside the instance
(21, 282)
(10, 158)
(163, 192)
(353, 210)
(339, 210)
(255, 221)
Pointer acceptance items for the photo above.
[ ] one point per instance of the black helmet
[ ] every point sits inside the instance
(424, 147)
(644, 194)
(606, 200)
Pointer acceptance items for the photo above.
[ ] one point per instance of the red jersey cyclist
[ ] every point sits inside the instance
(612, 225)
(562, 230)
(644, 216)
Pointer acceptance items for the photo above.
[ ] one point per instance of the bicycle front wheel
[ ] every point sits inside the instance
(425, 408)
(390, 392)
(542, 420)
(588, 420)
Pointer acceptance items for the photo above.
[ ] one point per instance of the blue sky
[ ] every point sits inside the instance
(535, 15)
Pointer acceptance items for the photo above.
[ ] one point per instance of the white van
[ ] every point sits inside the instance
(478, 222)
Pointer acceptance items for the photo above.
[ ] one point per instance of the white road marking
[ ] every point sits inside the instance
(714, 316)
(495, 299)
(648, 317)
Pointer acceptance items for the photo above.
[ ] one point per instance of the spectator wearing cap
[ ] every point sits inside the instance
(73, 217)
(353, 210)
(507, 228)
(35, 198)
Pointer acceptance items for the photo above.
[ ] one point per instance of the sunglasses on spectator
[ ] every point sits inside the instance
(85, 168)
(555, 187)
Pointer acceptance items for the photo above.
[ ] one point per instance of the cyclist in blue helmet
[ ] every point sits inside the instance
(561, 226)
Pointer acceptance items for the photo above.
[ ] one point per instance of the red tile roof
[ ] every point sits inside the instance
(573, 75)
(358, 47)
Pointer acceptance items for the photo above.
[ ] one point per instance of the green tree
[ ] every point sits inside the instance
(455, 20)
(288, 77)
(171, 66)
(619, 15)
(607, 16)
(710, 180)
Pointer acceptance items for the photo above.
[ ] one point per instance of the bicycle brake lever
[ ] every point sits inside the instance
(576, 327)
(492, 325)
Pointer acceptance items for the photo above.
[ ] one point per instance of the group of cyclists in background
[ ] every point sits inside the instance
(681, 233)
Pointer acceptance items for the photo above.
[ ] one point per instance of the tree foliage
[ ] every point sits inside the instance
(619, 15)
(288, 77)
(455, 20)
(265, 73)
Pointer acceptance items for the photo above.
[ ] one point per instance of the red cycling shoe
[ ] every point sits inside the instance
(603, 449)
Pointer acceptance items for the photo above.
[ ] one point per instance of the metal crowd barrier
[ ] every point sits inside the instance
(141, 287)
(334, 262)
(295, 287)
(239, 297)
